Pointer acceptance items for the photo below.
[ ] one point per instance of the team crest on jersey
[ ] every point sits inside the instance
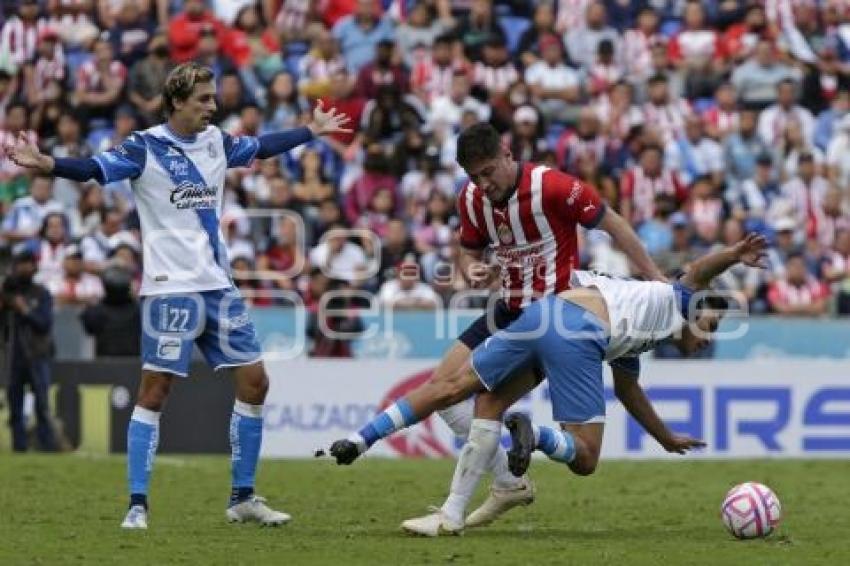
(575, 192)
(505, 234)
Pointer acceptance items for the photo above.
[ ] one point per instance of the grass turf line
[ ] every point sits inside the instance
(66, 509)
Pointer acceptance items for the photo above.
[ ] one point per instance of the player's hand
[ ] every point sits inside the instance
(752, 250)
(328, 122)
(680, 444)
(26, 154)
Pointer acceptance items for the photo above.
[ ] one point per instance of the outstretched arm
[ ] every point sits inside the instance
(631, 395)
(625, 237)
(752, 251)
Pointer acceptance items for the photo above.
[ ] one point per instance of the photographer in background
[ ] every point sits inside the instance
(26, 315)
(115, 322)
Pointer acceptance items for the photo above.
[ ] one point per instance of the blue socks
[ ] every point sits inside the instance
(397, 416)
(142, 440)
(246, 437)
(558, 445)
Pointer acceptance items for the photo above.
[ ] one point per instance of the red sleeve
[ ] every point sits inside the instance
(574, 199)
(471, 236)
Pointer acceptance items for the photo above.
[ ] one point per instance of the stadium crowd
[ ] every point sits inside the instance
(698, 121)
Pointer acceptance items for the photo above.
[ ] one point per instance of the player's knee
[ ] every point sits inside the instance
(152, 394)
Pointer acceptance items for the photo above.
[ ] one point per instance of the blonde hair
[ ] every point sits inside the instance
(181, 82)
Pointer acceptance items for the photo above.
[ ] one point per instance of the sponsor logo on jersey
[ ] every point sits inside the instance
(505, 234)
(192, 195)
(178, 167)
(237, 321)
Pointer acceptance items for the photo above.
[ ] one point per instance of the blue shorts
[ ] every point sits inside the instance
(217, 321)
(567, 341)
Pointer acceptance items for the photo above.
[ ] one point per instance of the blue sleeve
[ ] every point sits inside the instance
(281, 142)
(77, 169)
(240, 151)
(627, 364)
(124, 161)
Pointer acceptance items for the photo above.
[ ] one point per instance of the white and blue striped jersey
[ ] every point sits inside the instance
(178, 185)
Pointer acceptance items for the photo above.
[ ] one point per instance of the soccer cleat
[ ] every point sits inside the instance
(500, 501)
(254, 509)
(522, 443)
(137, 518)
(345, 452)
(432, 525)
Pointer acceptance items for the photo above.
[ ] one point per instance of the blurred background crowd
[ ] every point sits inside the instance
(698, 121)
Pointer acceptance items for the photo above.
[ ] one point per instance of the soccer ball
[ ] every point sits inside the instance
(751, 510)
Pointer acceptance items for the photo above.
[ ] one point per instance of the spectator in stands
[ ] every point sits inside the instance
(604, 72)
(583, 42)
(706, 210)
(359, 34)
(284, 258)
(756, 80)
(838, 154)
(27, 214)
(432, 77)
(84, 219)
(806, 192)
(332, 321)
(255, 48)
(663, 112)
(495, 72)
(416, 36)
(586, 139)
(312, 187)
(26, 312)
(50, 247)
(836, 271)
(147, 77)
(407, 291)
(476, 27)
(75, 287)
(698, 51)
(641, 184)
(375, 176)
(799, 292)
(44, 78)
(827, 122)
(68, 143)
(338, 257)
(130, 33)
(694, 155)
(741, 150)
(638, 43)
(832, 218)
(786, 244)
(319, 65)
(283, 108)
(752, 198)
(775, 118)
(382, 71)
(13, 180)
(115, 322)
(743, 281)
(447, 111)
(184, 30)
(554, 85)
(723, 118)
(97, 245)
(682, 250)
(19, 33)
(100, 83)
(543, 23)
(823, 79)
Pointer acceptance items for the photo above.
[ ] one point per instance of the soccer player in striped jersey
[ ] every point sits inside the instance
(526, 214)
(177, 172)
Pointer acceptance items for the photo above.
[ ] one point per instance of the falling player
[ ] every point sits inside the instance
(528, 214)
(177, 173)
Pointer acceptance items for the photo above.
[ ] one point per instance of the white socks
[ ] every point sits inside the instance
(474, 460)
(459, 419)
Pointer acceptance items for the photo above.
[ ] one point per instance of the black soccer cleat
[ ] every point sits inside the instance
(522, 443)
(344, 451)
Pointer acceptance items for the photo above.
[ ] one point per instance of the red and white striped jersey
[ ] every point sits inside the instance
(430, 80)
(90, 77)
(782, 292)
(19, 39)
(494, 79)
(724, 121)
(637, 187)
(669, 119)
(637, 52)
(571, 146)
(533, 236)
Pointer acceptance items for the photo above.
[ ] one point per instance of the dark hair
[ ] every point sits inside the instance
(477, 143)
(181, 82)
(713, 302)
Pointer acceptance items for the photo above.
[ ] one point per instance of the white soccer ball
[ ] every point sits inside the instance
(751, 510)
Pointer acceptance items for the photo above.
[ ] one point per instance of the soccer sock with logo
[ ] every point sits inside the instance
(246, 437)
(558, 445)
(474, 460)
(142, 440)
(397, 416)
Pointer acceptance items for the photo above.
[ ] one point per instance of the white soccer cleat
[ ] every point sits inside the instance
(137, 518)
(254, 509)
(433, 525)
(500, 501)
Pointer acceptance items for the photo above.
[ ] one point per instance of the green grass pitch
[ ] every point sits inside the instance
(66, 509)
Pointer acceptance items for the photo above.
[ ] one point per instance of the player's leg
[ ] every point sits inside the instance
(169, 327)
(230, 341)
(15, 398)
(576, 391)
(142, 442)
(407, 411)
(40, 380)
